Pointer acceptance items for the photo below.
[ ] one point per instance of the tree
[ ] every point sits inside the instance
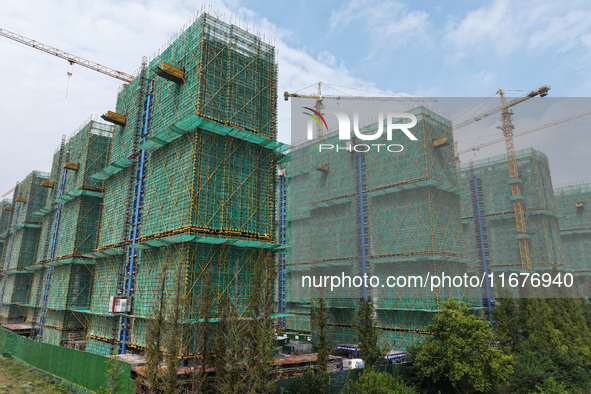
(540, 324)
(547, 370)
(261, 342)
(530, 370)
(367, 335)
(569, 318)
(507, 327)
(152, 373)
(458, 356)
(173, 336)
(539, 330)
(374, 382)
(320, 322)
(316, 382)
(114, 382)
(229, 350)
(200, 382)
(311, 382)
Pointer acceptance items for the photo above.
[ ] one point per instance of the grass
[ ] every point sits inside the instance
(16, 378)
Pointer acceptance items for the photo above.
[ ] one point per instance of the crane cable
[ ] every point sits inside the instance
(69, 76)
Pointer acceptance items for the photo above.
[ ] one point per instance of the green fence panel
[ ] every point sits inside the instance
(81, 371)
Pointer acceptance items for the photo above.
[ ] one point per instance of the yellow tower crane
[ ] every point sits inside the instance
(507, 128)
(529, 130)
(543, 91)
(319, 96)
(72, 59)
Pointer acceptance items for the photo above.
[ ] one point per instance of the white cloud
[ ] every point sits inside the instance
(384, 20)
(506, 26)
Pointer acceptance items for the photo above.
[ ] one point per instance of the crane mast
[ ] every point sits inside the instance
(507, 129)
(73, 59)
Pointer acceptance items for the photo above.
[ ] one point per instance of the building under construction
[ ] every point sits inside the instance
(176, 189)
(176, 185)
(497, 213)
(375, 213)
(572, 205)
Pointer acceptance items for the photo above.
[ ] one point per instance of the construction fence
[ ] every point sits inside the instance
(81, 371)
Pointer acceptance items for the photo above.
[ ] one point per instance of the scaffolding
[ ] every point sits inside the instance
(63, 276)
(190, 184)
(539, 208)
(5, 210)
(22, 239)
(481, 233)
(573, 204)
(378, 213)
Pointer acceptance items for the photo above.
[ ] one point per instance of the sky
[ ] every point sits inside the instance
(464, 48)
